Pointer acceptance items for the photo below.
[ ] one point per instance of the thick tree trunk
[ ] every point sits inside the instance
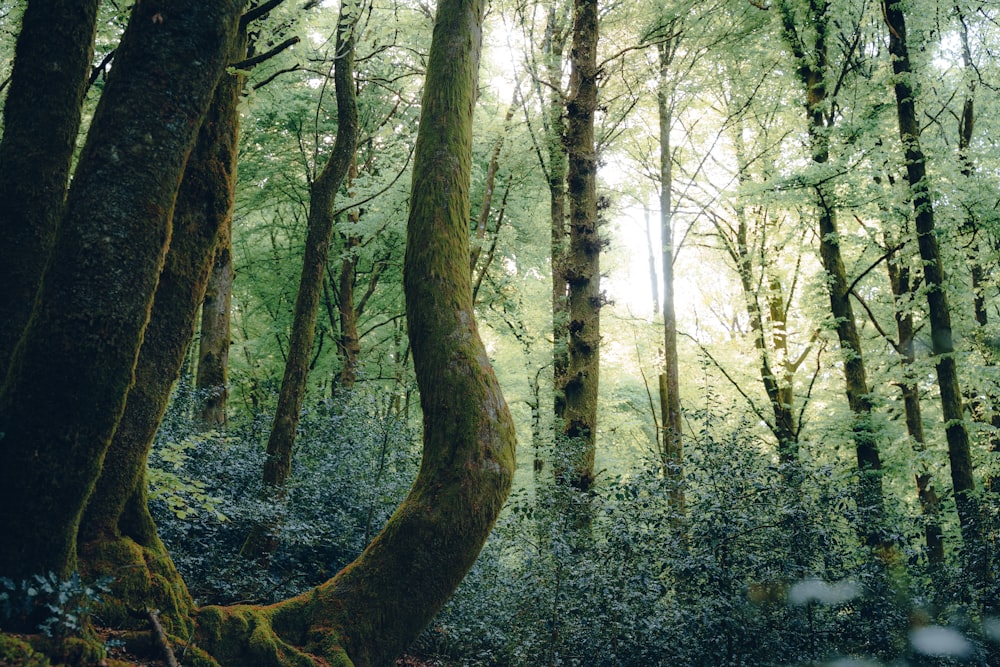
(959, 455)
(322, 195)
(80, 348)
(51, 64)
(582, 268)
(212, 380)
(117, 535)
(377, 605)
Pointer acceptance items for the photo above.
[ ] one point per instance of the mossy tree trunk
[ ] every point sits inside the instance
(116, 525)
(41, 119)
(323, 192)
(80, 348)
(556, 168)
(939, 314)
(212, 380)
(376, 606)
(582, 269)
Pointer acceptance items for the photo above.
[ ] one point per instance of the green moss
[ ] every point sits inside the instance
(245, 635)
(142, 578)
(15, 651)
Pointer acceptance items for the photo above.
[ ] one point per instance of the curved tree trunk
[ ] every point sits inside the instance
(323, 192)
(377, 605)
(51, 64)
(80, 348)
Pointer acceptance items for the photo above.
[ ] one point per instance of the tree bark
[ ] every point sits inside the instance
(48, 83)
(812, 64)
(322, 196)
(79, 351)
(939, 314)
(377, 605)
(117, 535)
(212, 380)
(553, 49)
(672, 452)
(930, 505)
(582, 269)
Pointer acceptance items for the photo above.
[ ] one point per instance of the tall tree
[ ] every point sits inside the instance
(80, 349)
(322, 195)
(582, 269)
(809, 41)
(377, 605)
(212, 380)
(51, 68)
(939, 313)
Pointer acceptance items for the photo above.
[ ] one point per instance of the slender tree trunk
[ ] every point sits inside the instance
(212, 380)
(903, 291)
(959, 455)
(80, 348)
(582, 268)
(349, 344)
(812, 65)
(377, 605)
(489, 188)
(558, 168)
(322, 195)
(672, 450)
(48, 83)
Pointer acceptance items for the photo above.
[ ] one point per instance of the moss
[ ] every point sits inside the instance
(16, 651)
(142, 578)
(245, 635)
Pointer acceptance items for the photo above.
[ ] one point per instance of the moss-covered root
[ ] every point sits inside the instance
(42, 651)
(141, 578)
(250, 635)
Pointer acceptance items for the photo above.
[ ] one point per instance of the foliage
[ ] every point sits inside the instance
(353, 463)
(60, 606)
(752, 574)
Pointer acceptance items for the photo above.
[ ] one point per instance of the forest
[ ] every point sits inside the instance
(285, 283)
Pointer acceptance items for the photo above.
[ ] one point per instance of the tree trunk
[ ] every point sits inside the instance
(672, 451)
(51, 65)
(959, 456)
(377, 605)
(323, 193)
(80, 348)
(582, 269)
(117, 535)
(212, 380)
(930, 505)
(812, 66)
(558, 167)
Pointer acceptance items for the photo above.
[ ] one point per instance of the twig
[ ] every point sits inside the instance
(161, 638)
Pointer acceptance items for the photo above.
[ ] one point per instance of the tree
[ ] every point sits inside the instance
(939, 313)
(34, 168)
(81, 348)
(582, 269)
(322, 195)
(809, 42)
